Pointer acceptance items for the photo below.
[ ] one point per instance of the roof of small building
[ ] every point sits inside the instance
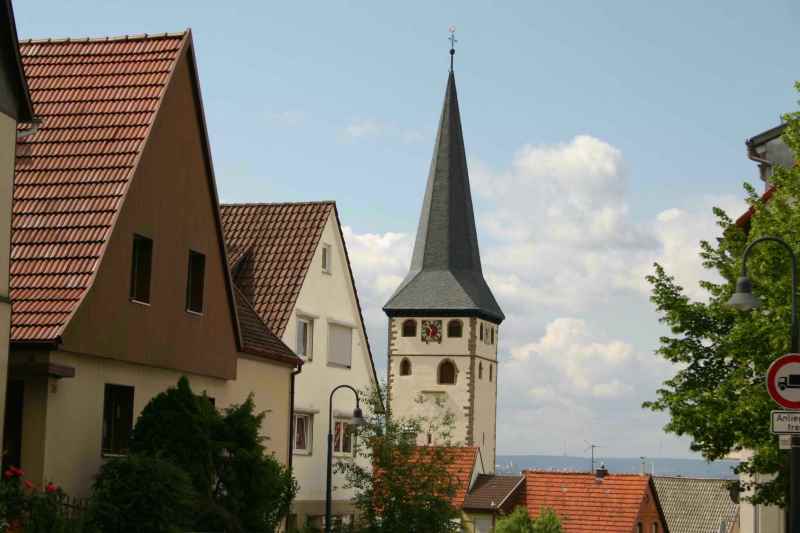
(693, 505)
(257, 339)
(585, 503)
(493, 493)
(270, 250)
(446, 277)
(97, 100)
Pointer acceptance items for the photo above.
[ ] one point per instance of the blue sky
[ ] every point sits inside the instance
(599, 135)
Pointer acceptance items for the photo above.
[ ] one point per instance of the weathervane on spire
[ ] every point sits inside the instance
(453, 42)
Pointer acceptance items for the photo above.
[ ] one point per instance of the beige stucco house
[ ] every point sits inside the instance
(290, 260)
(15, 108)
(119, 278)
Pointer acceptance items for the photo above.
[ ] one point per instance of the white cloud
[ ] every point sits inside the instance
(371, 128)
(566, 259)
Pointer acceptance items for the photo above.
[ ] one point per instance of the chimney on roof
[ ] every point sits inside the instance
(601, 472)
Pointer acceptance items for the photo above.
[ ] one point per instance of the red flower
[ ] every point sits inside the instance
(13, 471)
(51, 487)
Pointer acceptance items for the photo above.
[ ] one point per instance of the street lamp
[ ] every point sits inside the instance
(744, 300)
(357, 421)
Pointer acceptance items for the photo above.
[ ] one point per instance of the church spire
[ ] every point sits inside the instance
(445, 275)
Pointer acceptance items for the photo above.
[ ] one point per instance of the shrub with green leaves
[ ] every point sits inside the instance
(519, 522)
(239, 486)
(140, 493)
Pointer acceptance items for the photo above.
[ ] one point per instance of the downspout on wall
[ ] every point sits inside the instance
(291, 429)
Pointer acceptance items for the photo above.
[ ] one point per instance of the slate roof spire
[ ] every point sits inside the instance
(445, 277)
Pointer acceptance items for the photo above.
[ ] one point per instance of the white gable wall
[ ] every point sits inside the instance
(327, 299)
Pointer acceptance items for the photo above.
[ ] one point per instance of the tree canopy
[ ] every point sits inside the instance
(718, 395)
(520, 522)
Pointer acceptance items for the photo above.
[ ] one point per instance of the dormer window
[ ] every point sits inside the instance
(446, 373)
(455, 328)
(410, 328)
(405, 367)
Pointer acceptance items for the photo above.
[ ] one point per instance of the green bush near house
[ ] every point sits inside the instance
(140, 493)
(238, 486)
(520, 522)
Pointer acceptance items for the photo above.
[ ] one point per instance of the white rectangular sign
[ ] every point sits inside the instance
(786, 422)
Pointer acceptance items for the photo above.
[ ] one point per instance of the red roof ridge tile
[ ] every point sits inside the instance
(274, 204)
(106, 38)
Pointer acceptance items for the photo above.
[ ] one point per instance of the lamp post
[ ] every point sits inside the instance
(744, 300)
(357, 421)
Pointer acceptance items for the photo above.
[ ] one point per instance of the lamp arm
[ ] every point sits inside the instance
(795, 347)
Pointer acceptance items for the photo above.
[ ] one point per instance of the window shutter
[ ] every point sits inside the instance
(340, 348)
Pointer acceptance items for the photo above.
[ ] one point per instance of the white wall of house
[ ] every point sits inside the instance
(63, 418)
(327, 300)
(8, 140)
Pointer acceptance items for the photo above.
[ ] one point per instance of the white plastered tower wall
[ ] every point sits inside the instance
(445, 282)
(471, 399)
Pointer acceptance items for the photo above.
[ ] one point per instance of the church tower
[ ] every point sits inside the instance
(443, 319)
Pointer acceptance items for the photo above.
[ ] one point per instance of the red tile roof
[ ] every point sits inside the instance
(462, 462)
(257, 339)
(281, 239)
(584, 504)
(97, 100)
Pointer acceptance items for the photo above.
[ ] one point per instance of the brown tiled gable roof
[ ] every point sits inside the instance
(281, 239)
(586, 505)
(270, 249)
(257, 339)
(696, 505)
(493, 492)
(97, 99)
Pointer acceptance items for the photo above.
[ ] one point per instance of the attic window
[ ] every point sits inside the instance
(326, 258)
(410, 328)
(454, 328)
(194, 283)
(141, 266)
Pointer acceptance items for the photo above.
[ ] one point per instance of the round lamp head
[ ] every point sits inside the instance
(358, 418)
(744, 299)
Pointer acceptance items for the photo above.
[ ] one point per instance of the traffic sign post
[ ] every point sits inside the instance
(783, 381)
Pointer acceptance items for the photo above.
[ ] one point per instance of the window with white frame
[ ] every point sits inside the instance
(326, 258)
(305, 338)
(340, 345)
(303, 426)
(343, 437)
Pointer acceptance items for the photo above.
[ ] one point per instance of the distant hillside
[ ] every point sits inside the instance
(513, 464)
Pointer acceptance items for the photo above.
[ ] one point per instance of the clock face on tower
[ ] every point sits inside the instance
(432, 331)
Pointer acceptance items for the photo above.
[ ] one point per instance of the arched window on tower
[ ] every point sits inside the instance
(447, 373)
(480, 370)
(405, 367)
(410, 328)
(455, 328)
(481, 335)
(491, 367)
(492, 335)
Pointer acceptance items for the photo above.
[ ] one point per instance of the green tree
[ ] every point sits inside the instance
(718, 396)
(406, 488)
(239, 486)
(519, 522)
